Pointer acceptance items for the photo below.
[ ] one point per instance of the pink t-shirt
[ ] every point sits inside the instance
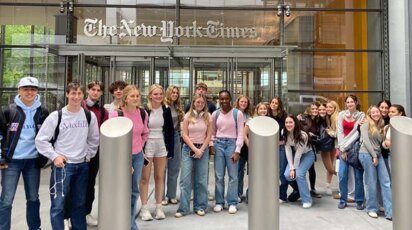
(226, 127)
(140, 131)
(197, 129)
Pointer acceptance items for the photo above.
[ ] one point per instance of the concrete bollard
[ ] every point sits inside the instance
(401, 145)
(115, 176)
(263, 173)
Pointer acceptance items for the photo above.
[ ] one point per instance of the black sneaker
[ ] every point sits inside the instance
(342, 205)
(294, 196)
(359, 206)
(315, 194)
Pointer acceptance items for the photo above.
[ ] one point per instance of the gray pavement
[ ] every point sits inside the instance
(324, 215)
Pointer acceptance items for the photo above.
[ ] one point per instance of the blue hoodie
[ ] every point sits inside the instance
(25, 148)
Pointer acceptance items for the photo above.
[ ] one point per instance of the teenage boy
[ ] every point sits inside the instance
(116, 89)
(20, 123)
(76, 143)
(201, 88)
(92, 103)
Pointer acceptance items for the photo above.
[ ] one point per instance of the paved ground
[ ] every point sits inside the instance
(324, 215)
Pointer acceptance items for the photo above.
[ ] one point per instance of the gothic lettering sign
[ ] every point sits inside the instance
(166, 30)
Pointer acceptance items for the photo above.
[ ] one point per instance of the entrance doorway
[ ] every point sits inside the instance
(257, 72)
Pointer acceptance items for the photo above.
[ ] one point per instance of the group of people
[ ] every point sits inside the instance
(179, 141)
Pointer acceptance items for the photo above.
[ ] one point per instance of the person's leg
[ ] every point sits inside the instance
(159, 164)
(173, 168)
(220, 166)
(283, 162)
(232, 170)
(312, 177)
(31, 178)
(385, 185)
(306, 162)
(144, 182)
(343, 181)
(359, 190)
(78, 193)
(241, 174)
(351, 183)
(9, 181)
(186, 181)
(137, 164)
(60, 182)
(370, 182)
(200, 180)
(93, 170)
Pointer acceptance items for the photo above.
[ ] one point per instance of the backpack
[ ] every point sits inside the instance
(235, 111)
(142, 114)
(59, 119)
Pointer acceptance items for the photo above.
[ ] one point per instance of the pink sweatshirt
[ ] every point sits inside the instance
(140, 131)
(226, 128)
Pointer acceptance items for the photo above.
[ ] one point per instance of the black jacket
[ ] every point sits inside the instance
(11, 137)
(168, 130)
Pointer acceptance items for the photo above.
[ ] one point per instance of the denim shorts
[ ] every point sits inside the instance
(155, 147)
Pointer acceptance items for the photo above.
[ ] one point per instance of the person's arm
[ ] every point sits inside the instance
(207, 138)
(92, 138)
(145, 132)
(300, 147)
(246, 135)
(45, 134)
(213, 129)
(366, 139)
(240, 126)
(289, 155)
(185, 134)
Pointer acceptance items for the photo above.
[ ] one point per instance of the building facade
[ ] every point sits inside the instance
(300, 50)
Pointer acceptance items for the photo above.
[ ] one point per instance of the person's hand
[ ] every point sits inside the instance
(362, 121)
(375, 161)
(292, 174)
(235, 157)
(4, 166)
(387, 143)
(59, 161)
(198, 154)
(344, 156)
(132, 171)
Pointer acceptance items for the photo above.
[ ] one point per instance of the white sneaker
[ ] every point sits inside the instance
(145, 213)
(91, 221)
(328, 191)
(210, 197)
(218, 208)
(165, 202)
(66, 224)
(232, 209)
(373, 214)
(160, 215)
(307, 205)
(173, 201)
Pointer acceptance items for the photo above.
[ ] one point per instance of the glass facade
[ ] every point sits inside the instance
(329, 47)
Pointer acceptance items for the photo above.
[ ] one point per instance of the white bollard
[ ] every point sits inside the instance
(401, 146)
(263, 174)
(115, 178)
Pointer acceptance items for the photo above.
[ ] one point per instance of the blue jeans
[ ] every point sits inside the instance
(372, 176)
(343, 182)
(201, 167)
(224, 148)
(173, 167)
(73, 177)
(137, 164)
(9, 182)
(241, 174)
(283, 163)
(306, 161)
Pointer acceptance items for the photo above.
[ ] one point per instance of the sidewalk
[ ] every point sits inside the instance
(324, 215)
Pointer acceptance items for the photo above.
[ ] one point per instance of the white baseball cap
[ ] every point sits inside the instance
(28, 81)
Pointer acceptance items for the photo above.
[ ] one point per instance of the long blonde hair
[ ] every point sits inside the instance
(192, 111)
(151, 89)
(375, 126)
(126, 92)
(334, 116)
(177, 103)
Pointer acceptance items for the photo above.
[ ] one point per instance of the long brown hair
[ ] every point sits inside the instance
(177, 104)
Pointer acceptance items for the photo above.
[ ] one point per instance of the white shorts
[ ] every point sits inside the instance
(155, 147)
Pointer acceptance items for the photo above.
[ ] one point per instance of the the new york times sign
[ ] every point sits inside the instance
(166, 30)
